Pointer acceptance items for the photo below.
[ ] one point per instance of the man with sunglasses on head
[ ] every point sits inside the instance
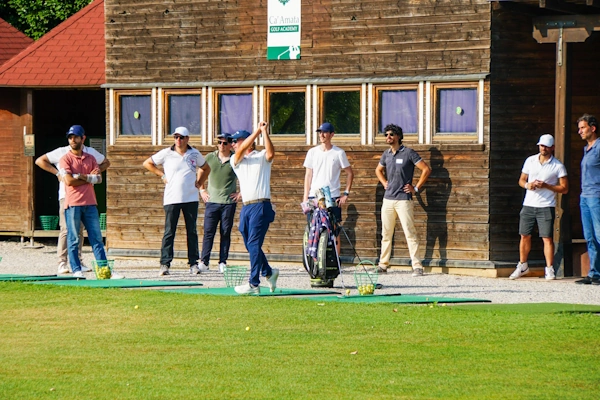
(185, 171)
(324, 164)
(395, 172)
(253, 169)
(220, 196)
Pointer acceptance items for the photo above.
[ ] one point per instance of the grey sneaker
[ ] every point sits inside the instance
(381, 270)
(417, 272)
(202, 267)
(78, 274)
(247, 289)
(521, 270)
(164, 270)
(194, 270)
(549, 273)
(272, 280)
(222, 267)
(84, 268)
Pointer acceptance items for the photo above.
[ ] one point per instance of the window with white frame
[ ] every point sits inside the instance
(134, 114)
(341, 107)
(286, 111)
(233, 111)
(397, 105)
(183, 109)
(456, 110)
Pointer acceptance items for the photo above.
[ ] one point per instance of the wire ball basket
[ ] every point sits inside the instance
(103, 268)
(366, 280)
(234, 275)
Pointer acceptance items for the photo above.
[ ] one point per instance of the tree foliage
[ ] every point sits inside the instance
(36, 17)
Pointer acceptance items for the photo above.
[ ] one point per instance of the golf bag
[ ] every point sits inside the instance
(320, 259)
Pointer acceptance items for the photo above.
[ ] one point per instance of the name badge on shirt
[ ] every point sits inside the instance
(398, 161)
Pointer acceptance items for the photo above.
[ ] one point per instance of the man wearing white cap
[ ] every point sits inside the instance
(542, 177)
(185, 171)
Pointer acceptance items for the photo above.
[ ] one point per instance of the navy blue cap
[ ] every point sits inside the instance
(326, 127)
(240, 135)
(76, 130)
(226, 136)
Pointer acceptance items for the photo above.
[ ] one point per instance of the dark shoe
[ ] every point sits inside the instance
(381, 270)
(585, 281)
(595, 281)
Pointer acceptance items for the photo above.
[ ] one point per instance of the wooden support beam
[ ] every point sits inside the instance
(564, 7)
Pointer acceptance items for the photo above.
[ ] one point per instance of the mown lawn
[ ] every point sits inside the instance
(61, 342)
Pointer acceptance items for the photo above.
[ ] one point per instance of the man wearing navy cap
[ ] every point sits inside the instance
(221, 197)
(324, 164)
(253, 169)
(542, 176)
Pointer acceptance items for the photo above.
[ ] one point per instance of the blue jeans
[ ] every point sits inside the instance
(590, 219)
(190, 215)
(88, 215)
(213, 214)
(254, 223)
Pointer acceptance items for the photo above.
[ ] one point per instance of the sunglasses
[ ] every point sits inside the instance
(222, 142)
(389, 134)
(178, 137)
(234, 141)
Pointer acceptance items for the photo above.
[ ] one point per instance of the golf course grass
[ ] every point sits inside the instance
(70, 342)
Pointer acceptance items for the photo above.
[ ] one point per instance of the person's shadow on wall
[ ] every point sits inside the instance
(348, 235)
(437, 192)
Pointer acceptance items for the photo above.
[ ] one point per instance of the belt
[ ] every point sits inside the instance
(247, 203)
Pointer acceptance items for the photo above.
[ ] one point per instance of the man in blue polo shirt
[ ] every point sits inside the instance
(589, 202)
(395, 172)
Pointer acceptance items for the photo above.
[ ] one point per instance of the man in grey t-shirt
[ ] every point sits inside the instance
(395, 172)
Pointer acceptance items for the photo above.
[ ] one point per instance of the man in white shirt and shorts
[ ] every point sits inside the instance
(542, 177)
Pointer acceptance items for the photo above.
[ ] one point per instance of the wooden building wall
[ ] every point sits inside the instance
(16, 177)
(193, 41)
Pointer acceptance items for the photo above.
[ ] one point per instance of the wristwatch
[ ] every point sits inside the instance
(346, 194)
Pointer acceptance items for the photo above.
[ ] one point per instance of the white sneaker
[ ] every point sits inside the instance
(202, 267)
(114, 275)
(84, 268)
(63, 268)
(194, 270)
(521, 270)
(222, 267)
(246, 289)
(549, 275)
(417, 272)
(272, 280)
(78, 274)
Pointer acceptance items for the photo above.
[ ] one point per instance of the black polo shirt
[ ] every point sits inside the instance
(399, 169)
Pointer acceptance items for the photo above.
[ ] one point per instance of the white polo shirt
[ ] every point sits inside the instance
(326, 166)
(254, 174)
(180, 172)
(54, 158)
(549, 172)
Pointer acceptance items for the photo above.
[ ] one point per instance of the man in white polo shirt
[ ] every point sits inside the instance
(185, 171)
(542, 177)
(253, 169)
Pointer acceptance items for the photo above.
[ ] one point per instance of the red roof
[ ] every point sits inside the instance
(12, 41)
(70, 55)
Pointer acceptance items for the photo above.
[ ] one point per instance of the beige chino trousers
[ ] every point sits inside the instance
(390, 210)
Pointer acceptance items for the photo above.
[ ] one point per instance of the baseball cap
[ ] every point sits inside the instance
(76, 130)
(240, 135)
(546, 140)
(226, 136)
(326, 127)
(182, 130)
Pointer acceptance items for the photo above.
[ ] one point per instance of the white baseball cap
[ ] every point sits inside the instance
(182, 130)
(546, 140)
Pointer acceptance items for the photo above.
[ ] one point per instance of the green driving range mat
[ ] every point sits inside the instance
(119, 283)
(264, 291)
(26, 278)
(396, 298)
(533, 308)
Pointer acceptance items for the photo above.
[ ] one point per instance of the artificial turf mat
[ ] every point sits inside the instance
(264, 291)
(396, 298)
(25, 278)
(118, 283)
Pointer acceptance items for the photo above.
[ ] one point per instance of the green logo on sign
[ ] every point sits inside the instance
(284, 2)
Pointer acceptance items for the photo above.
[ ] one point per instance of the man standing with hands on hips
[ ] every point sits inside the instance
(542, 176)
(185, 171)
(589, 202)
(253, 169)
(395, 172)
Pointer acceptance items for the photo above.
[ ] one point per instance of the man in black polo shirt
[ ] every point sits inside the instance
(395, 172)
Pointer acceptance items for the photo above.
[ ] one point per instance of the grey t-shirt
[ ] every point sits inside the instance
(399, 169)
